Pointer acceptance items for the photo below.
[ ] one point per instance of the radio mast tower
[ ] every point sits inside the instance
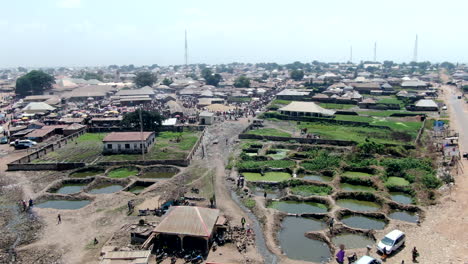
(375, 51)
(415, 52)
(351, 54)
(186, 49)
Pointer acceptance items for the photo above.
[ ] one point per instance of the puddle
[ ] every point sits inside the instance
(271, 193)
(106, 189)
(357, 205)
(363, 222)
(404, 216)
(296, 246)
(356, 188)
(63, 204)
(69, 188)
(294, 207)
(402, 198)
(315, 177)
(157, 175)
(86, 172)
(280, 154)
(352, 241)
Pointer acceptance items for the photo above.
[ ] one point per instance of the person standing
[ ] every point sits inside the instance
(340, 255)
(415, 254)
(243, 222)
(31, 203)
(59, 219)
(265, 195)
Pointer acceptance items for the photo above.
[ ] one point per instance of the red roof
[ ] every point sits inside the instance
(126, 136)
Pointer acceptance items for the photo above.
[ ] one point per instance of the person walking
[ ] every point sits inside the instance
(59, 219)
(415, 254)
(243, 222)
(265, 195)
(340, 255)
(31, 203)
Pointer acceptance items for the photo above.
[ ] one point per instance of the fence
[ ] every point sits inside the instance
(25, 162)
(300, 140)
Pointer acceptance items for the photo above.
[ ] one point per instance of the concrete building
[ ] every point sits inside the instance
(128, 142)
(206, 118)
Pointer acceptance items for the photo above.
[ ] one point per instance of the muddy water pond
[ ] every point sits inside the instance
(69, 188)
(404, 216)
(315, 177)
(357, 205)
(86, 172)
(363, 222)
(356, 188)
(136, 189)
(402, 198)
(63, 204)
(352, 241)
(108, 188)
(294, 207)
(294, 243)
(271, 193)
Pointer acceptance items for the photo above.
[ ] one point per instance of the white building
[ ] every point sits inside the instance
(128, 142)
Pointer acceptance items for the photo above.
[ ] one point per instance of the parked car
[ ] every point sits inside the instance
(23, 144)
(367, 260)
(4, 140)
(391, 242)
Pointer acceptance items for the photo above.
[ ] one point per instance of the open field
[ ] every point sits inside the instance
(269, 132)
(88, 148)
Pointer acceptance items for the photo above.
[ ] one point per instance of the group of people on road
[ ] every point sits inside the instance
(26, 205)
(340, 256)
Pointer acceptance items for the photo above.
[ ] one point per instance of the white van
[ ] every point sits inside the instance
(368, 260)
(391, 242)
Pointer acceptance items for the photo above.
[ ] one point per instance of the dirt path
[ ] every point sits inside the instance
(442, 236)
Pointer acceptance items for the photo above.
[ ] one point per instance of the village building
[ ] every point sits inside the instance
(305, 109)
(37, 107)
(206, 118)
(426, 105)
(292, 94)
(187, 227)
(128, 142)
(126, 257)
(414, 84)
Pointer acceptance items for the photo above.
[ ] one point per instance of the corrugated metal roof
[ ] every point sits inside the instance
(426, 103)
(126, 257)
(188, 220)
(126, 136)
(306, 107)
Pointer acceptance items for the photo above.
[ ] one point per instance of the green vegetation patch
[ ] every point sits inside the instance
(269, 132)
(308, 190)
(356, 174)
(251, 164)
(122, 172)
(336, 106)
(321, 160)
(269, 176)
(396, 181)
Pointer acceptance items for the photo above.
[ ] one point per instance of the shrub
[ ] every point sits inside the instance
(320, 160)
(369, 148)
(431, 181)
(308, 190)
(283, 164)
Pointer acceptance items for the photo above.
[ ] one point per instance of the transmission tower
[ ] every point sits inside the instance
(415, 52)
(375, 51)
(186, 49)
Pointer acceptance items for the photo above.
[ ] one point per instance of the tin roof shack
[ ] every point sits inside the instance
(424, 105)
(305, 109)
(126, 257)
(187, 227)
(128, 142)
(292, 94)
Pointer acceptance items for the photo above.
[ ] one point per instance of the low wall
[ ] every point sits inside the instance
(45, 166)
(181, 162)
(300, 140)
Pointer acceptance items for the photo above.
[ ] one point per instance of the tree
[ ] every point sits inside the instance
(93, 75)
(167, 81)
(210, 78)
(34, 82)
(242, 82)
(152, 120)
(265, 76)
(388, 64)
(22, 69)
(145, 79)
(447, 65)
(296, 75)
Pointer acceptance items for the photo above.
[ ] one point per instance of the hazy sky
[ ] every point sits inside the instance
(103, 32)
